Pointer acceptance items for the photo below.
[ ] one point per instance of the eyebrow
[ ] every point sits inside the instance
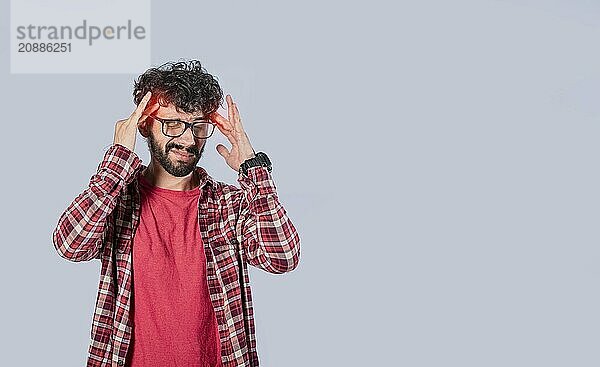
(172, 118)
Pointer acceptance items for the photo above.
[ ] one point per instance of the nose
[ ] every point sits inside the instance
(187, 138)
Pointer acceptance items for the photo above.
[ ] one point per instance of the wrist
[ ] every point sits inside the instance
(259, 159)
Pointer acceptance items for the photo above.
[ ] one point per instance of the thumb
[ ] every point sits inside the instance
(222, 150)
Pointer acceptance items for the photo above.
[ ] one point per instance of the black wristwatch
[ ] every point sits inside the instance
(259, 159)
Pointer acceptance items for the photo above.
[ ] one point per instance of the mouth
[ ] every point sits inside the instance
(180, 154)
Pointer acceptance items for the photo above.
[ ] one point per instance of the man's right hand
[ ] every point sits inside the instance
(125, 130)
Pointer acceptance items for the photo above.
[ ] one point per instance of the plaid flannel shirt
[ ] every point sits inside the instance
(238, 227)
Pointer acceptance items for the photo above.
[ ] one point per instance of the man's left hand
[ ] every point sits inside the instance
(232, 128)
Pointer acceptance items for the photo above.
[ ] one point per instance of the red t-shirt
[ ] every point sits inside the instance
(174, 323)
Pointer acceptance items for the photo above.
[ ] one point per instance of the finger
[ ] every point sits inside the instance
(238, 128)
(230, 112)
(231, 137)
(222, 150)
(220, 121)
(137, 113)
(238, 118)
(222, 129)
(151, 106)
(150, 109)
(141, 106)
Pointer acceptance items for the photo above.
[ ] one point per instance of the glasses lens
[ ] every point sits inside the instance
(173, 128)
(203, 129)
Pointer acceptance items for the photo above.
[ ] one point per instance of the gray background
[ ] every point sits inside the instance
(437, 157)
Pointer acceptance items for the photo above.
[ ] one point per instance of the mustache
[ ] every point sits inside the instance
(192, 150)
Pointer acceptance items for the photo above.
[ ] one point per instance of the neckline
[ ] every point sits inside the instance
(155, 189)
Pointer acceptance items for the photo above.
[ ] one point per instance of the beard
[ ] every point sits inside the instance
(175, 167)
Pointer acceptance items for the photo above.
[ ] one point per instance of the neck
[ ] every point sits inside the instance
(157, 176)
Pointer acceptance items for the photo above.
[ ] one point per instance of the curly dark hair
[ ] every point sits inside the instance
(185, 84)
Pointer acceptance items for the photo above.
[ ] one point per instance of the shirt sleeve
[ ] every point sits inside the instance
(81, 228)
(268, 236)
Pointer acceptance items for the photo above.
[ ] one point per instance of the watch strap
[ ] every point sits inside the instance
(259, 159)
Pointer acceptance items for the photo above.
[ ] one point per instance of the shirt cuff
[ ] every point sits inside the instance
(257, 181)
(121, 161)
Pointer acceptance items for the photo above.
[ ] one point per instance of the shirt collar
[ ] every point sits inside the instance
(205, 178)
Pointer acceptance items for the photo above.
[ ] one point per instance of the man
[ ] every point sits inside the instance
(175, 243)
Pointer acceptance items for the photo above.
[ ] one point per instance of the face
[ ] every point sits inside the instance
(178, 156)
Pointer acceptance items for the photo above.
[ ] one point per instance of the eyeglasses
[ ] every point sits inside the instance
(175, 128)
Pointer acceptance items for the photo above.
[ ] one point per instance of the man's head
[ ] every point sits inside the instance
(183, 91)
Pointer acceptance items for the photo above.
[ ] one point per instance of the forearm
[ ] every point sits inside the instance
(269, 237)
(79, 234)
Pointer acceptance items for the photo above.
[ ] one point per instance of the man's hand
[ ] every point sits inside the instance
(125, 130)
(234, 131)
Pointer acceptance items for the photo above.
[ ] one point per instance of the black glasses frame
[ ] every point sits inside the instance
(187, 125)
